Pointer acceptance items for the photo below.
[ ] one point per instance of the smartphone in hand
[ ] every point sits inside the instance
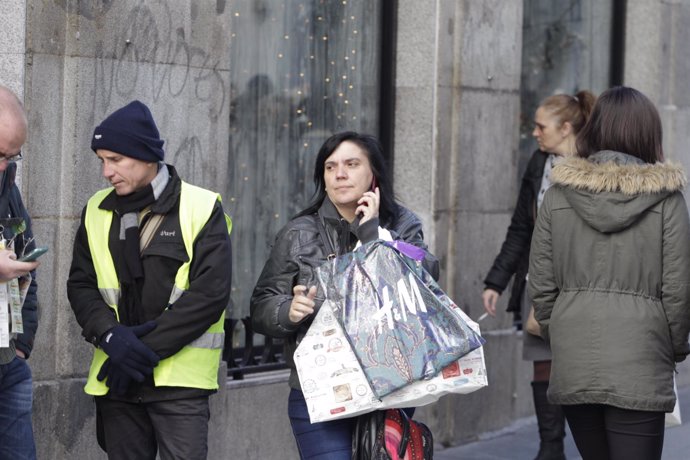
(33, 255)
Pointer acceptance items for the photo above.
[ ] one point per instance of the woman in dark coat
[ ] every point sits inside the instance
(354, 197)
(610, 280)
(557, 121)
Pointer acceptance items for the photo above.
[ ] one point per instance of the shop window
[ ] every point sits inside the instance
(300, 71)
(567, 46)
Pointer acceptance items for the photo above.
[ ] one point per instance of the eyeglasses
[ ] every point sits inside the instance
(10, 158)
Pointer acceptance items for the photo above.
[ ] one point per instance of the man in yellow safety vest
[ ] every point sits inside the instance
(149, 283)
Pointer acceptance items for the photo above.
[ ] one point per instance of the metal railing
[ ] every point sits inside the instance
(247, 357)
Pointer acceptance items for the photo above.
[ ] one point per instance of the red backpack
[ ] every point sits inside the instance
(391, 435)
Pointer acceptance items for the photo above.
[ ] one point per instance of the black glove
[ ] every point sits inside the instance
(128, 353)
(117, 380)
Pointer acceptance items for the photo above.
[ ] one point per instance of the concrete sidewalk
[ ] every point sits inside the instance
(520, 441)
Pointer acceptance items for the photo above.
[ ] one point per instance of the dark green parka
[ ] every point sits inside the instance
(610, 280)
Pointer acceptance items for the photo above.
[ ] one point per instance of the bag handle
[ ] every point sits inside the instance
(405, 438)
(150, 227)
(326, 238)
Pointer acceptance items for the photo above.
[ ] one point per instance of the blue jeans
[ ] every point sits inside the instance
(16, 433)
(330, 440)
(321, 441)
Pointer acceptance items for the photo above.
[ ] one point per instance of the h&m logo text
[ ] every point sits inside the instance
(409, 302)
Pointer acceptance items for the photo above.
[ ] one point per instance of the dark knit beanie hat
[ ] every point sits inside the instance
(130, 131)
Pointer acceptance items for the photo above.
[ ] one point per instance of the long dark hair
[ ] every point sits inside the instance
(388, 207)
(626, 121)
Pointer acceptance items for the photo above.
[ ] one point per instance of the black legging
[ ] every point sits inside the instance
(604, 432)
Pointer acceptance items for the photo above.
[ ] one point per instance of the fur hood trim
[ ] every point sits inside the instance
(611, 176)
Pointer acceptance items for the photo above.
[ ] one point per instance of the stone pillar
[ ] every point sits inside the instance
(85, 60)
(456, 156)
(12, 37)
(657, 62)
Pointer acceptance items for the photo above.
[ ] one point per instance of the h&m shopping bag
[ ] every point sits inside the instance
(400, 326)
(332, 380)
(335, 386)
(466, 375)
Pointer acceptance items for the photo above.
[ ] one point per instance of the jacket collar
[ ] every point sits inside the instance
(165, 201)
(7, 178)
(609, 171)
(329, 213)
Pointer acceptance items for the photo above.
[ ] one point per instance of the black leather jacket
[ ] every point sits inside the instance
(514, 256)
(298, 250)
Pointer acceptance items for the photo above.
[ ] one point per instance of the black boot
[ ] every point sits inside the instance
(551, 423)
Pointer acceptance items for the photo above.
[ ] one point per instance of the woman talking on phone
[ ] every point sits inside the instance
(354, 196)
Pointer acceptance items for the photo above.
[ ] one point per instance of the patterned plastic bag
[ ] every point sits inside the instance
(398, 321)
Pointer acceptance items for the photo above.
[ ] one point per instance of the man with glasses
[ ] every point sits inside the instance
(18, 321)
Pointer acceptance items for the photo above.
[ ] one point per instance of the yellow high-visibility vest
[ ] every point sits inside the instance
(196, 364)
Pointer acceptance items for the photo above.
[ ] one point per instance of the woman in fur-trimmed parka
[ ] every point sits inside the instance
(610, 280)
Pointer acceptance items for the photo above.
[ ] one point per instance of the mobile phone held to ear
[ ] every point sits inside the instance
(33, 255)
(373, 184)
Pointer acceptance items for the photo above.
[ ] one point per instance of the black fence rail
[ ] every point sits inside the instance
(248, 357)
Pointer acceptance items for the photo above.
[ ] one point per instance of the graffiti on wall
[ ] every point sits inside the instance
(150, 55)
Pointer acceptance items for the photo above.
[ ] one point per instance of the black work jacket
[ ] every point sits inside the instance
(513, 259)
(12, 212)
(178, 324)
(299, 250)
